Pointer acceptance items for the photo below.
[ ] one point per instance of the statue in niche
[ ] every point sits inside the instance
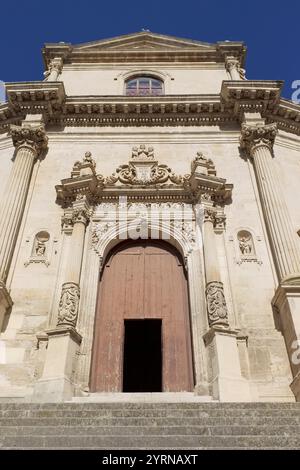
(245, 243)
(40, 248)
(40, 244)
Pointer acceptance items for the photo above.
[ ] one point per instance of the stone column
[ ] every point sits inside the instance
(258, 141)
(226, 381)
(56, 383)
(55, 68)
(29, 141)
(232, 65)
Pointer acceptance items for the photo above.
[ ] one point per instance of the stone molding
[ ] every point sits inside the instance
(236, 97)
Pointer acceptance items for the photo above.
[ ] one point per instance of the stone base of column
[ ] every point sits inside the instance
(287, 302)
(56, 384)
(295, 386)
(228, 384)
(6, 302)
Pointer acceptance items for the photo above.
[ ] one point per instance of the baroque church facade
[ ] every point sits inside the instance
(148, 230)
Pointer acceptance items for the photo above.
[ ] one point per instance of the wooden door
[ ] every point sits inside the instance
(142, 280)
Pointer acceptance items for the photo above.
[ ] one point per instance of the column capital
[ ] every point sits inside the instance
(231, 62)
(54, 69)
(209, 215)
(233, 66)
(255, 136)
(32, 137)
(81, 210)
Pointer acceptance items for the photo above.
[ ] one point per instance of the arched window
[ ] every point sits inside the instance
(143, 86)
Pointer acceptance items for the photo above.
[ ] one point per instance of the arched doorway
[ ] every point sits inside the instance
(142, 339)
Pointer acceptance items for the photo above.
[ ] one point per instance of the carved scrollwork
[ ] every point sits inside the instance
(68, 305)
(216, 304)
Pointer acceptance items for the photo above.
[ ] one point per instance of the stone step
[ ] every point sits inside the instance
(149, 430)
(156, 406)
(122, 413)
(152, 442)
(150, 426)
(144, 421)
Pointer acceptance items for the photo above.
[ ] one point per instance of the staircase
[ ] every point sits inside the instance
(150, 425)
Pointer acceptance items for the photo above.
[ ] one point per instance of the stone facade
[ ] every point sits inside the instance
(74, 148)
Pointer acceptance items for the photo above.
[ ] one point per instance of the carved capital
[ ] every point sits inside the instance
(232, 63)
(55, 68)
(81, 210)
(253, 137)
(31, 137)
(216, 303)
(209, 215)
(68, 304)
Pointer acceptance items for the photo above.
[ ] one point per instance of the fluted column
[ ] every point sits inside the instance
(54, 70)
(216, 304)
(29, 142)
(70, 293)
(258, 141)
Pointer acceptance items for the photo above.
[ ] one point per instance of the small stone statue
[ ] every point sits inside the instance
(40, 248)
(245, 246)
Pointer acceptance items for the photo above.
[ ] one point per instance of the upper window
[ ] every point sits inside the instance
(144, 86)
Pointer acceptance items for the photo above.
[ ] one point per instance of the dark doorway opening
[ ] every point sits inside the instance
(142, 366)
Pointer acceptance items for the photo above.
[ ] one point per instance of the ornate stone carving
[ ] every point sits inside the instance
(203, 165)
(55, 68)
(142, 153)
(216, 304)
(68, 305)
(85, 167)
(209, 215)
(99, 230)
(33, 137)
(142, 170)
(253, 137)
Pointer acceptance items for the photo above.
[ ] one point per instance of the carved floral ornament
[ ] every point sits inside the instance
(31, 137)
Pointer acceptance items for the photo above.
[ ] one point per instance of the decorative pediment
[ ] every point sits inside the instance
(146, 179)
(141, 41)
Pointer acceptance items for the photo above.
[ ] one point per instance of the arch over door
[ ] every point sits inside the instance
(142, 280)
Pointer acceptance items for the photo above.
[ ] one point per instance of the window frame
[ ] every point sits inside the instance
(144, 76)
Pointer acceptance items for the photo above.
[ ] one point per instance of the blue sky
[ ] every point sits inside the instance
(270, 30)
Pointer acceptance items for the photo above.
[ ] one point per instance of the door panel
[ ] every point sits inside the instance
(142, 280)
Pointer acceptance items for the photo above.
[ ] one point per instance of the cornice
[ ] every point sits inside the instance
(251, 95)
(143, 46)
(35, 97)
(236, 97)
